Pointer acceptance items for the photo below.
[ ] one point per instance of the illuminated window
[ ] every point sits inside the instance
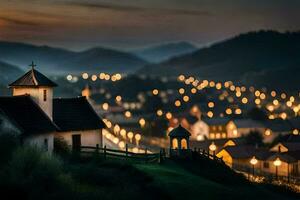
(45, 95)
(223, 135)
(183, 144)
(212, 136)
(218, 135)
(175, 143)
(220, 128)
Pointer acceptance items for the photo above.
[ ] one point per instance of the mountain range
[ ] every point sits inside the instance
(267, 58)
(261, 58)
(162, 52)
(56, 60)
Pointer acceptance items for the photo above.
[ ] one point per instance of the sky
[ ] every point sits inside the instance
(129, 24)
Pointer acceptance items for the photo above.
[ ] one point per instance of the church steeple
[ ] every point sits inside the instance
(38, 86)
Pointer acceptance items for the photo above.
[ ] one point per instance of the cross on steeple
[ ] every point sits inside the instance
(32, 65)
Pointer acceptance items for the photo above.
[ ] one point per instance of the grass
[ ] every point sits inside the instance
(28, 173)
(186, 181)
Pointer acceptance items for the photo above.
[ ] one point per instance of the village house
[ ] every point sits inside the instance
(239, 127)
(275, 128)
(39, 118)
(285, 154)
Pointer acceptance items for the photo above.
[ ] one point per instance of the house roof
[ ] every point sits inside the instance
(218, 142)
(294, 154)
(295, 122)
(283, 157)
(247, 151)
(179, 132)
(216, 121)
(191, 119)
(279, 125)
(247, 123)
(33, 78)
(75, 114)
(291, 146)
(25, 113)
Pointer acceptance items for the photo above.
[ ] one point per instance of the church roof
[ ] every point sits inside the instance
(179, 132)
(33, 78)
(26, 114)
(75, 114)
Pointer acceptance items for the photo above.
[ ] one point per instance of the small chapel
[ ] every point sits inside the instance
(38, 118)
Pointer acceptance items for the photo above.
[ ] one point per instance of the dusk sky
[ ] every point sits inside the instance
(80, 24)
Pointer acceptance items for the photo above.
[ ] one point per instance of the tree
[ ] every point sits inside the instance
(254, 138)
(257, 114)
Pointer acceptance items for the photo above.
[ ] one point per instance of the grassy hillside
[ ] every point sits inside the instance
(28, 173)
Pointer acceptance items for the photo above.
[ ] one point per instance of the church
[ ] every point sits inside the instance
(38, 118)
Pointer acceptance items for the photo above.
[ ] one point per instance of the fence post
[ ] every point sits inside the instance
(97, 149)
(159, 159)
(126, 148)
(146, 156)
(104, 152)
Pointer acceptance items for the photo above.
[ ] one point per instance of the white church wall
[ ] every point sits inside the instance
(41, 141)
(88, 137)
(37, 95)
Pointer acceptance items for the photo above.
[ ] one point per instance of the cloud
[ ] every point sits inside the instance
(18, 21)
(125, 8)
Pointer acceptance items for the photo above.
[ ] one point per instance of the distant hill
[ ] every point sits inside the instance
(163, 52)
(261, 58)
(57, 60)
(9, 72)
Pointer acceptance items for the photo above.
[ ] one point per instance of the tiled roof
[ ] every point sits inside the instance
(179, 132)
(279, 125)
(247, 151)
(216, 121)
(247, 123)
(33, 78)
(75, 114)
(29, 117)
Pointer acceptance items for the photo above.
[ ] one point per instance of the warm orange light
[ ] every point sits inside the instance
(186, 98)
(105, 106)
(168, 115)
(177, 103)
(181, 91)
(212, 147)
(155, 92)
(277, 162)
(159, 112)
(253, 161)
(211, 104)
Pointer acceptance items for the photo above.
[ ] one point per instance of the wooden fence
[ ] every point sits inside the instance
(122, 154)
(208, 155)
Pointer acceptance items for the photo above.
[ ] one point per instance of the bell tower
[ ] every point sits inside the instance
(38, 86)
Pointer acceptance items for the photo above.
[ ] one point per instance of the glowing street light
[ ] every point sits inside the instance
(137, 138)
(130, 136)
(253, 162)
(213, 148)
(142, 122)
(277, 163)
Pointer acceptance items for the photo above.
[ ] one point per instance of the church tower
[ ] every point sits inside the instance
(38, 86)
(86, 92)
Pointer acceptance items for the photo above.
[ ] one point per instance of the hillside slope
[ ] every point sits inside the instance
(264, 57)
(57, 60)
(166, 51)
